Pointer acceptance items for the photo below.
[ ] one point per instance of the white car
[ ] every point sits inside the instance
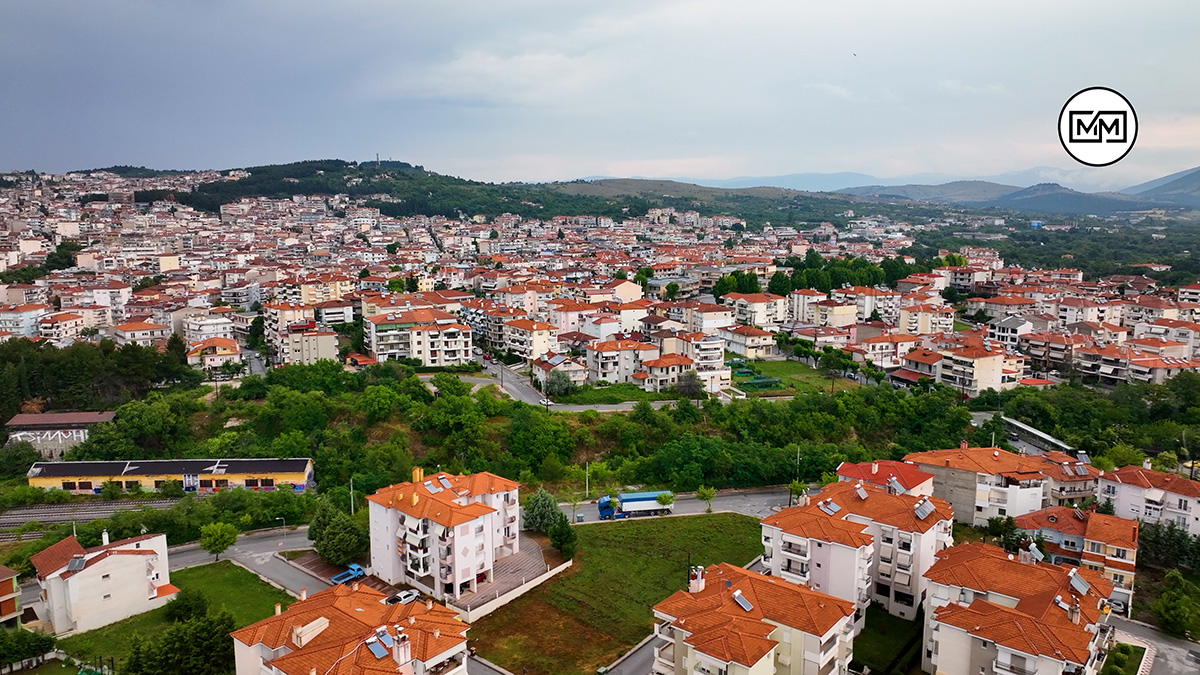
(403, 597)
(546, 401)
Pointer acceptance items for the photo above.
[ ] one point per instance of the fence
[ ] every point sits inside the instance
(471, 615)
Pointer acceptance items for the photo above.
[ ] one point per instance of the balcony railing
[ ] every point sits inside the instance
(1001, 667)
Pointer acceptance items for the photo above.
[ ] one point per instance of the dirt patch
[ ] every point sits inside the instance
(551, 555)
(549, 639)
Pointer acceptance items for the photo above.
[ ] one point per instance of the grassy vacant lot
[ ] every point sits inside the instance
(965, 534)
(962, 325)
(227, 586)
(51, 668)
(797, 378)
(615, 393)
(600, 607)
(1132, 663)
(882, 639)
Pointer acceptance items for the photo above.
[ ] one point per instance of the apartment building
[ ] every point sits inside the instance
(1186, 333)
(731, 620)
(926, 319)
(530, 339)
(763, 310)
(990, 612)
(200, 327)
(444, 533)
(982, 483)
(22, 320)
(1146, 308)
(60, 326)
(904, 532)
(83, 589)
(1050, 349)
(10, 598)
(975, 368)
(802, 304)
(306, 346)
(887, 351)
(141, 333)
(707, 352)
(550, 362)
(1009, 330)
(279, 316)
(617, 361)
(1095, 541)
(212, 353)
(1001, 306)
(431, 335)
(834, 314)
(868, 301)
(663, 373)
(701, 317)
(900, 477)
(1143, 493)
(350, 629)
(749, 342)
(567, 315)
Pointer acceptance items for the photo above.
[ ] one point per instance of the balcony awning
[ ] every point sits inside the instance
(1154, 495)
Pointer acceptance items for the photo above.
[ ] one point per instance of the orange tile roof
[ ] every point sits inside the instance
(439, 505)
(1112, 530)
(54, 557)
(719, 627)
(994, 461)
(1149, 478)
(1015, 630)
(667, 361)
(908, 475)
(812, 523)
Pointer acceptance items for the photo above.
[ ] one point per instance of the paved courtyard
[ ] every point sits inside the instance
(508, 573)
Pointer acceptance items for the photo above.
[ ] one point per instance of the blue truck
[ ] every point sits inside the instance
(633, 504)
(352, 572)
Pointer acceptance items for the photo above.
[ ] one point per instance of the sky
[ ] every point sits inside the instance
(538, 90)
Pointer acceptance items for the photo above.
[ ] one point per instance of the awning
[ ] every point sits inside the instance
(1154, 495)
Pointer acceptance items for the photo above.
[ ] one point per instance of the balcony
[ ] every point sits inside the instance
(1000, 667)
(795, 550)
(1001, 498)
(664, 658)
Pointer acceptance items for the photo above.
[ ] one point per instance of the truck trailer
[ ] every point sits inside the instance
(633, 504)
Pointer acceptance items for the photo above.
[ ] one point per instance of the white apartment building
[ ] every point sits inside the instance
(431, 335)
(617, 361)
(83, 589)
(926, 319)
(733, 621)
(1185, 332)
(1143, 493)
(1009, 330)
(906, 531)
(887, 351)
(198, 327)
(900, 477)
(140, 333)
(1099, 542)
(278, 317)
(994, 613)
(802, 304)
(981, 483)
(306, 347)
(763, 310)
(749, 342)
(443, 534)
(60, 326)
(350, 626)
(211, 354)
(867, 301)
(22, 320)
(707, 351)
(530, 339)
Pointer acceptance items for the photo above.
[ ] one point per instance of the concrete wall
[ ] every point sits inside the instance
(475, 613)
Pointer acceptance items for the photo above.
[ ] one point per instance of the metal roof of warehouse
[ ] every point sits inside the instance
(157, 467)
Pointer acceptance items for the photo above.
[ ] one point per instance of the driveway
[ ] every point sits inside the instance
(1175, 656)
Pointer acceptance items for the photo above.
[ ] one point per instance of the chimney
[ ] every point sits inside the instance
(354, 587)
(874, 467)
(278, 609)
(411, 619)
(696, 579)
(429, 605)
(802, 500)
(418, 474)
(437, 633)
(1073, 613)
(415, 498)
(962, 445)
(312, 671)
(401, 649)
(303, 593)
(104, 535)
(1145, 465)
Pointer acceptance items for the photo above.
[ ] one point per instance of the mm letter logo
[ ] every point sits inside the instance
(1097, 126)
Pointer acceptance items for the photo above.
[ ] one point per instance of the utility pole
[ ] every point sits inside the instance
(587, 479)
(351, 495)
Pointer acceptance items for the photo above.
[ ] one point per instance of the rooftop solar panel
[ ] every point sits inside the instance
(377, 649)
(742, 602)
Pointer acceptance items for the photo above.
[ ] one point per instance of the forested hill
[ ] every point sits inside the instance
(418, 191)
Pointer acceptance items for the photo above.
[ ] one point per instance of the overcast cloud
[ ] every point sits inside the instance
(556, 89)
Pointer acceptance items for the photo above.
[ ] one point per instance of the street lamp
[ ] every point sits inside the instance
(283, 540)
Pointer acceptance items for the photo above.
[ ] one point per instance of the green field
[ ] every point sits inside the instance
(797, 378)
(882, 639)
(600, 607)
(227, 586)
(962, 325)
(51, 668)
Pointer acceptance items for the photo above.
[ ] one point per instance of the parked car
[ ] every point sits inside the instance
(352, 572)
(487, 357)
(403, 597)
(546, 401)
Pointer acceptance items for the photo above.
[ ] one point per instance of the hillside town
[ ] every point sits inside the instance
(1016, 557)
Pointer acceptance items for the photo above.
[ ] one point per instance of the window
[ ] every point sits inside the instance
(206, 482)
(133, 484)
(1119, 553)
(882, 589)
(222, 482)
(267, 482)
(68, 485)
(85, 485)
(978, 509)
(1110, 489)
(105, 577)
(107, 596)
(158, 484)
(251, 482)
(1002, 512)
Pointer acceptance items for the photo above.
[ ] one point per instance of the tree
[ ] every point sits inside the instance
(561, 234)
(621, 274)
(796, 489)
(690, 385)
(1176, 608)
(448, 384)
(665, 498)
(706, 495)
(875, 316)
(188, 604)
(539, 511)
(780, 284)
(558, 383)
(1166, 461)
(216, 537)
(1106, 507)
(342, 541)
(671, 291)
(493, 234)
(321, 519)
(562, 535)
(177, 349)
(395, 285)
(172, 489)
(723, 286)
(111, 490)
(411, 284)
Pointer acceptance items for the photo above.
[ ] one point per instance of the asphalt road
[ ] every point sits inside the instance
(1175, 656)
(757, 503)
(518, 387)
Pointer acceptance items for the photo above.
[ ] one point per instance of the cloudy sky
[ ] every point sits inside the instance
(557, 89)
